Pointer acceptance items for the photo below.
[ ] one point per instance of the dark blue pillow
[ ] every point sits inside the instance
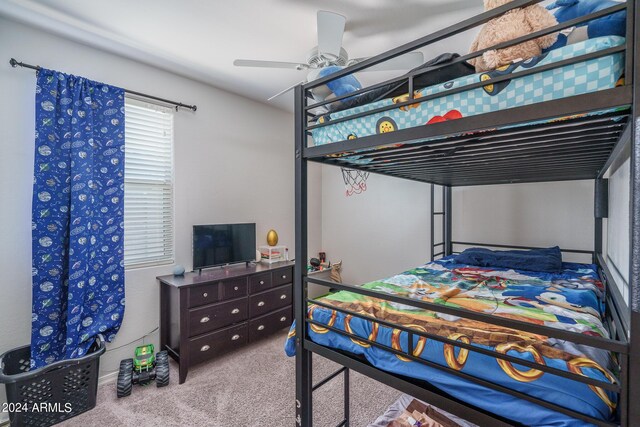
(547, 260)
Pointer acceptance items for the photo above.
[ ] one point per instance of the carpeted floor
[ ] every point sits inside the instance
(253, 386)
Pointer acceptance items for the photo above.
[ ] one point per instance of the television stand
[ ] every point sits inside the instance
(205, 315)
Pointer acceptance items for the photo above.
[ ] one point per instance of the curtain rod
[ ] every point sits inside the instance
(15, 64)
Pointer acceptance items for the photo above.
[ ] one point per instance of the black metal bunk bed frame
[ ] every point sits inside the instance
(576, 147)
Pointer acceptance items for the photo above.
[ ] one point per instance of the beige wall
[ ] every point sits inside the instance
(233, 163)
(386, 229)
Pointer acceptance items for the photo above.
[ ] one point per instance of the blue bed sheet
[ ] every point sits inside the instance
(570, 300)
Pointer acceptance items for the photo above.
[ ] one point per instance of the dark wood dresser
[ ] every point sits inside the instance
(205, 315)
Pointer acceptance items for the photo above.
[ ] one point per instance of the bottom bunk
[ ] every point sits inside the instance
(570, 299)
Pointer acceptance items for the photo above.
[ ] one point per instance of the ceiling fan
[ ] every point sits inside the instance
(329, 52)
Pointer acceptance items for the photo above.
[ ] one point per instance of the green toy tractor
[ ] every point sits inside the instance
(142, 369)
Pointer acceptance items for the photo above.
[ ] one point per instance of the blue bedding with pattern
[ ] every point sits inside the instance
(575, 79)
(569, 300)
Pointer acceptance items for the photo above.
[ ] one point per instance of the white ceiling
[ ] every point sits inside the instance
(200, 39)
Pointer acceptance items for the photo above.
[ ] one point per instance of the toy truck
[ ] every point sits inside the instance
(144, 368)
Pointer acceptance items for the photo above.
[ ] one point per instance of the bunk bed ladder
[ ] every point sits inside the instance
(444, 247)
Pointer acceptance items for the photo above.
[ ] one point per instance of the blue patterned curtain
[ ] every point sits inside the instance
(77, 229)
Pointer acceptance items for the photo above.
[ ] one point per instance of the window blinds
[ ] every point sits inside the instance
(148, 188)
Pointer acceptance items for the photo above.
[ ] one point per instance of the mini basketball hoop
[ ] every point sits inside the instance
(355, 181)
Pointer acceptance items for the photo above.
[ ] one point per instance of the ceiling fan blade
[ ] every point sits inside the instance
(282, 92)
(402, 62)
(330, 32)
(269, 64)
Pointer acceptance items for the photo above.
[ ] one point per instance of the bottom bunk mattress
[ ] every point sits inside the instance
(571, 299)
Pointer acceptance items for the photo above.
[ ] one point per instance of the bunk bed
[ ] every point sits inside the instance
(567, 115)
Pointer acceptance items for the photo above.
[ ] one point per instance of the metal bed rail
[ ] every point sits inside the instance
(619, 346)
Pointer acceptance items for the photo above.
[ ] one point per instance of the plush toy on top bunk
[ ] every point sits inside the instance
(334, 88)
(513, 24)
(566, 10)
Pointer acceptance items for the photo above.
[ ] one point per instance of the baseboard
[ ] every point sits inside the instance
(108, 378)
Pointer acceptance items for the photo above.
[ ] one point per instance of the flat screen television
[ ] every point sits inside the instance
(221, 244)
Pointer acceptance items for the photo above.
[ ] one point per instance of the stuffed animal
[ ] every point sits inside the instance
(339, 87)
(610, 25)
(513, 24)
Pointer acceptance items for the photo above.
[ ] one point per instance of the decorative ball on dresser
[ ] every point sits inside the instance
(178, 270)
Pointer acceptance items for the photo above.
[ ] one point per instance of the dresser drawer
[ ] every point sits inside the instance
(260, 282)
(270, 300)
(203, 295)
(215, 316)
(265, 325)
(233, 288)
(283, 276)
(214, 343)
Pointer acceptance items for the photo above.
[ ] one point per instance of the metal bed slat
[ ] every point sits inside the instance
(550, 159)
(531, 156)
(539, 130)
(515, 170)
(538, 169)
(503, 179)
(481, 147)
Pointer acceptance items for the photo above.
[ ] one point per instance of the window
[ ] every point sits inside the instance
(148, 185)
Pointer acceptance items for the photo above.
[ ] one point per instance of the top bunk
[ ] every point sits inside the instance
(556, 116)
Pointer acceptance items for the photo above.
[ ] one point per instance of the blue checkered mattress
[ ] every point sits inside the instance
(575, 79)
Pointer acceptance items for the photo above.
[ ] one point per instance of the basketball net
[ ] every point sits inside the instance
(355, 181)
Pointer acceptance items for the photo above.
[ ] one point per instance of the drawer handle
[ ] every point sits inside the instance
(235, 288)
(205, 319)
(204, 348)
(205, 294)
(235, 337)
(235, 311)
(283, 319)
(284, 276)
(261, 303)
(261, 327)
(283, 296)
(262, 282)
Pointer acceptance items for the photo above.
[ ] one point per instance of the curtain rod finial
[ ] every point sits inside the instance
(13, 62)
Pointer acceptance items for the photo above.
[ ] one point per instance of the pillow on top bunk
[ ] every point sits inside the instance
(547, 260)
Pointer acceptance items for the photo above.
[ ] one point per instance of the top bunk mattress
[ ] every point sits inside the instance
(570, 300)
(575, 79)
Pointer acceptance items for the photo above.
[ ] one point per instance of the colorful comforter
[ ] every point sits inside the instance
(570, 300)
(574, 79)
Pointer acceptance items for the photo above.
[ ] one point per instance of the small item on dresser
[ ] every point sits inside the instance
(335, 272)
(272, 254)
(322, 256)
(178, 270)
(272, 238)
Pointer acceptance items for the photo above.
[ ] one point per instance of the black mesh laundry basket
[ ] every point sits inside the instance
(53, 393)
